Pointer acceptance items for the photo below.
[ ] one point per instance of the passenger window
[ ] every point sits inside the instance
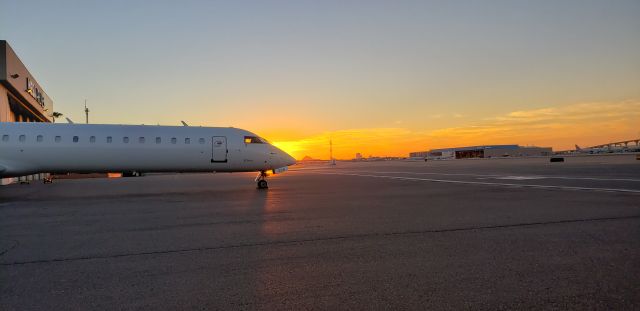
(125, 140)
(254, 140)
(141, 140)
(174, 140)
(187, 141)
(75, 139)
(39, 138)
(22, 138)
(92, 139)
(109, 139)
(158, 140)
(201, 141)
(5, 137)
(58, 139)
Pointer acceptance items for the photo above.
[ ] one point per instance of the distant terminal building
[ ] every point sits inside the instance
(419, 155)
(22, 99)
(491, 151)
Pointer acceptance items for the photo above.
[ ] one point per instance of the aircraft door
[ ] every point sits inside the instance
(219, 149)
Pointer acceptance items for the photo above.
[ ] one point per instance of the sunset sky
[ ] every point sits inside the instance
(382, 78)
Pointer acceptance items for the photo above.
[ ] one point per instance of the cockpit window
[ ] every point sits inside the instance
(254, 140)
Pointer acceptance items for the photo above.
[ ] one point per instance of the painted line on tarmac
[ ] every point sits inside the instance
(488, 183)
(503, 176)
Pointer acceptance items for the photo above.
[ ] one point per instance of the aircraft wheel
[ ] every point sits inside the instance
(262, 184)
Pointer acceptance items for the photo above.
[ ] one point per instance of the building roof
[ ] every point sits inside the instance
(476, 148)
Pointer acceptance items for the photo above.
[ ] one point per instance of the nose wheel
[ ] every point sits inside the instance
(261, 180)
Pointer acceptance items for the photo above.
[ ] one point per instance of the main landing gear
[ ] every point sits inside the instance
(261, 180)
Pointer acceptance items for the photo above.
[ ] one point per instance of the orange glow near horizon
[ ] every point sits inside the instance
(558, 127)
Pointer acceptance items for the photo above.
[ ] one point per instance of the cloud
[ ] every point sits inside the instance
(559, 127)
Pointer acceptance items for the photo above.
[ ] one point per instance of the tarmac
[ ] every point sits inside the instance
(439, 235)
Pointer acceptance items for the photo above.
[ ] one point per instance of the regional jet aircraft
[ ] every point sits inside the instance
(29, 148)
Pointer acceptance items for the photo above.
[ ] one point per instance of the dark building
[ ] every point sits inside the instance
(22, 98)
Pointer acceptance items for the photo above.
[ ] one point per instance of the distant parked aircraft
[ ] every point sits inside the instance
(607, 149)
(29, 148)
(590, 150)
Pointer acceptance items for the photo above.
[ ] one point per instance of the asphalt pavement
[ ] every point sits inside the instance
(467, 234)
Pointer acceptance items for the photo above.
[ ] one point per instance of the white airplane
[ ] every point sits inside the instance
(29, 148)
(591, 150)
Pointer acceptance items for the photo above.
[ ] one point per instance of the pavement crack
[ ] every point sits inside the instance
(14, 244)
(318, 239)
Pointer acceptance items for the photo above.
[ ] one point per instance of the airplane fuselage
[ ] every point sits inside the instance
(28, 148)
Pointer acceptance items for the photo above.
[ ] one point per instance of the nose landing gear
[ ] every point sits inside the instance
(261, 180)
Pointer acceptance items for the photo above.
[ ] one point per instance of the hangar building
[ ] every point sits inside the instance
(22, 99)
(491, 151)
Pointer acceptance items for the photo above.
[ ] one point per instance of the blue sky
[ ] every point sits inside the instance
(299, 68)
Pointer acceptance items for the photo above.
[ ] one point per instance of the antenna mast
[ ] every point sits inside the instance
(332, 161)
(330, 149)
(86, 111)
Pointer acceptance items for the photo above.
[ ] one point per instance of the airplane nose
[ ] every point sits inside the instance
(286, 158)
(289, 159)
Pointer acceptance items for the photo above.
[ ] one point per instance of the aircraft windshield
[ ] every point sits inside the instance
(254, 140)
